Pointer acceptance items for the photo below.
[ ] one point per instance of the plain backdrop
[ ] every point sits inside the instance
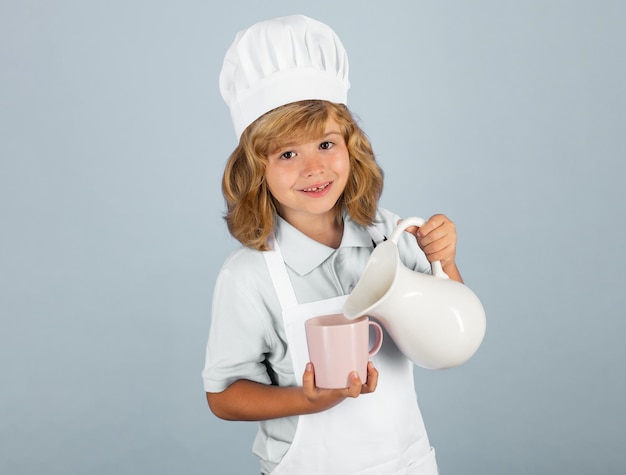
(508, 116)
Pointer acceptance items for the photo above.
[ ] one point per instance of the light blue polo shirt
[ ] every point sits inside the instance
(247, 339)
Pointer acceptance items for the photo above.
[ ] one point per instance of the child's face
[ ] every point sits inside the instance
(307, 178)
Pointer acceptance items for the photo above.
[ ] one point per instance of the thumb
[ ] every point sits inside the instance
(308, 378)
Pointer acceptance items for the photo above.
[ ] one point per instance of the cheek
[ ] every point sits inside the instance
(274, 182)
(343, 167)
(269, 183)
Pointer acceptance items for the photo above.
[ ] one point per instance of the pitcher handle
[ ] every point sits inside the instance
(436, 268)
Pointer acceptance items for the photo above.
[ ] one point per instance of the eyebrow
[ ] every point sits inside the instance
(331, 132)
(326, 135)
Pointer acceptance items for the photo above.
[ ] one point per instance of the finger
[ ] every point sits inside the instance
(445, 255)
(372, 379)
(308, 379)
(355, 385)
(435, 221)
(412, 230)
(442, 236)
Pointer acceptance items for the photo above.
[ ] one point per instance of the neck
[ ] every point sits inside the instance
(325, 229)
(330, 234)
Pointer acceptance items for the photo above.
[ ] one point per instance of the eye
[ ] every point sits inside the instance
(287, 155)
(326, 145)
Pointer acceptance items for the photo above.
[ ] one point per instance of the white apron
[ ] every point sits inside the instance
(381, 433)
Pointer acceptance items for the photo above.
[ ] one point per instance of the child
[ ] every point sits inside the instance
(302, 190)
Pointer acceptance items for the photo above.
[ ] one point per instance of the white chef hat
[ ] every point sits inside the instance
(279, 61)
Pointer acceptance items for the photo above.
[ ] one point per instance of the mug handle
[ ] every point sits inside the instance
(379, 338)
(437, 270)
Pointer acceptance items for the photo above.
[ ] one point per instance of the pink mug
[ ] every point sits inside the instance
(338, 346)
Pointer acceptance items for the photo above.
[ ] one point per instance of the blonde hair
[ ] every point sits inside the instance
(251, 208)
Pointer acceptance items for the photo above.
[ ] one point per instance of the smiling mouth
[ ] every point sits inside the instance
(316, 188)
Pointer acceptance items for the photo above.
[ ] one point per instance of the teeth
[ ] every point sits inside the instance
(317, 188)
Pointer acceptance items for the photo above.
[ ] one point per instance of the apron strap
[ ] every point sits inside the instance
(278, 269)
(280, 278)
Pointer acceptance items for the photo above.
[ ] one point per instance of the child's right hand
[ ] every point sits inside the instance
(322, 399)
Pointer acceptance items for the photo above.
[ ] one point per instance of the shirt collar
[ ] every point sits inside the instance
(304, 254)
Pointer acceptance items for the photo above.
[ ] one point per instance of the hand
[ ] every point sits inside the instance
(322, 399)
(437, 238)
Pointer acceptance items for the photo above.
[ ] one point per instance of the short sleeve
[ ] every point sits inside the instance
(239, 336)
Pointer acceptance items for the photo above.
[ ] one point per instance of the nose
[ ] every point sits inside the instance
(313, 164)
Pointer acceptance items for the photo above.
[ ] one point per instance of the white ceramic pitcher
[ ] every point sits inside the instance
(435, 321)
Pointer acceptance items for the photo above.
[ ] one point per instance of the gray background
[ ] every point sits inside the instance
(508, 116)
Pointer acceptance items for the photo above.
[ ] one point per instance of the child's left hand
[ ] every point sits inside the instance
(437, 238)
